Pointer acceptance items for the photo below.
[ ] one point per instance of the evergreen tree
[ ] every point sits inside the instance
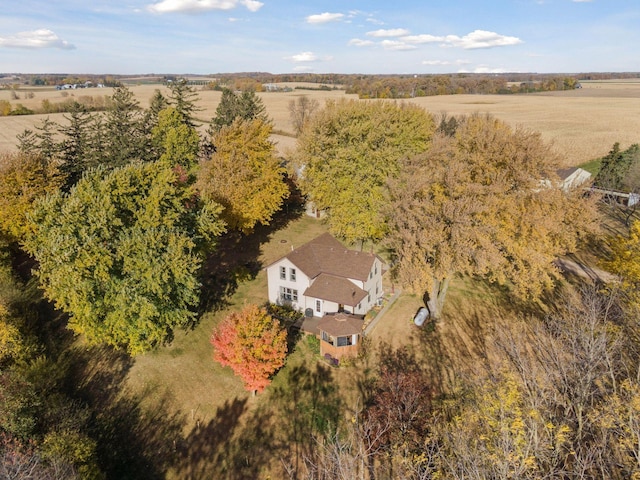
(246, 106)
(42, 141)
(182, 98)
(75, 147)
(124, 139)
(613, 169)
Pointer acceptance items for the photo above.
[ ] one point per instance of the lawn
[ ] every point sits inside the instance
(184, 371)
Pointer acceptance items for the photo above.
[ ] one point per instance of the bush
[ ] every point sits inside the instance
(314, 344)
(286, 313)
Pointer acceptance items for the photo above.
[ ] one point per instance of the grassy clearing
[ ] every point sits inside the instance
(184, 372)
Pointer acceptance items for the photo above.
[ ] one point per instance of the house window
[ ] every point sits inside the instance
(283, 273)
(318, 306)
(375, 267)
(345, 341)
(288, 294)
(292, 274)
(370, 275)
(327, 338)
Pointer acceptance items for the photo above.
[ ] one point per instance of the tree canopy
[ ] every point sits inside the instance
(301, 111)
(244, 174)
(23, 178)
(253, 344)
(625, 261)
(474, 204)
(119, 253)
(346, 154)
(615, 168)
(177, 142)
(246, 106)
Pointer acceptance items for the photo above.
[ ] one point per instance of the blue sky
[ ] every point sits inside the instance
(283, 36)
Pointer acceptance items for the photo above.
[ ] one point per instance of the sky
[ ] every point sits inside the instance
(289, 36)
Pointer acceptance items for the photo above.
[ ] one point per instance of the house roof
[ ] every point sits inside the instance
(340, 324)
(565, 173)
(335, 289)
(325, 254)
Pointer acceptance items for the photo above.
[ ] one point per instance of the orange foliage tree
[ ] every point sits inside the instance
(253, 344)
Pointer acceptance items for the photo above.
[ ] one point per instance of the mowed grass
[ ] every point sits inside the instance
(184, 373)
(583, 124)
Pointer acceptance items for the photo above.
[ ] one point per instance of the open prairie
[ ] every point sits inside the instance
(583, 124)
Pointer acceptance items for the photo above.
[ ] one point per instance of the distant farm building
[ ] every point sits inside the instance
(573, 177)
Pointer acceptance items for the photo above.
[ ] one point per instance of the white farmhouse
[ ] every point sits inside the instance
(323, 276)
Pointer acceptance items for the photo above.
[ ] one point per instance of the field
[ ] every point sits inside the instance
(583, 124)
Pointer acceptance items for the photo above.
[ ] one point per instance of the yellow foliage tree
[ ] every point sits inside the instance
(244, 174)
(475, 204)
(619, 417)
(498, 434)
(625, 261)
(346, 154)
(23, 178)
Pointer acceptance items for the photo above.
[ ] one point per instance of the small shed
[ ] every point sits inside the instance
(340, 334)
(572, 177)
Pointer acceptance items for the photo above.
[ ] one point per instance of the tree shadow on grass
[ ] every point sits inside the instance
(206, 451)
(236, 258)
(242, 443)
(307, 405)
(137, 435)
(462, 343)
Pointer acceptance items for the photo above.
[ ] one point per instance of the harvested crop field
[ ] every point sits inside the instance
(583, 124)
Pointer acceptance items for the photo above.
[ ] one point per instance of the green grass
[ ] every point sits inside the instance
(593, 166)
(184, 371)
(221, 421)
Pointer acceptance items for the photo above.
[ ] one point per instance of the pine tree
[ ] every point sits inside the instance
(182, 98)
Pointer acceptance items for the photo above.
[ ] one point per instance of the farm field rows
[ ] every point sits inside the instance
(582, 124)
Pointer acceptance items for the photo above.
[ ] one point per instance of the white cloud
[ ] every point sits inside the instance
(393, 32)
(445, 62)
(396, 45)
(424, 38)
(374, 21)
(304, 57)
(325, 17)
(41, 38)
(356, 42)
(252, 5)
(481, 39)
(485, 69)
(195, 6)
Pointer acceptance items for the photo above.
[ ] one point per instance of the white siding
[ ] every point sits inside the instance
(301, 282)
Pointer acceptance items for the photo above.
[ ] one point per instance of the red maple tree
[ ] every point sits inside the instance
(253, 344)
